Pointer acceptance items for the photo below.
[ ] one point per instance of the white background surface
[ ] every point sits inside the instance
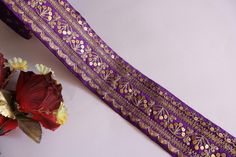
(186, 46)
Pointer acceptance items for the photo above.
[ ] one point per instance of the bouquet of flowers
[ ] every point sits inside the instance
(36, 101)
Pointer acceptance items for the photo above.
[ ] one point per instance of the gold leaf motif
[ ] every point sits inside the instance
(5, 100)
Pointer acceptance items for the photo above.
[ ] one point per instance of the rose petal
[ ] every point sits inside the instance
(7, 125)
(47, 120)
(39, 95)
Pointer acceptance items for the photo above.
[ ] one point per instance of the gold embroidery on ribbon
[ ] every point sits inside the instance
(167, 98)
(115, 81)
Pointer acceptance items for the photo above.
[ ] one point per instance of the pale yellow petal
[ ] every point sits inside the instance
(42, 69)
(61, 114)
(17, 64)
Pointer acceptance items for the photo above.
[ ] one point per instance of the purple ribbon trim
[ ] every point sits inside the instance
(160, 115)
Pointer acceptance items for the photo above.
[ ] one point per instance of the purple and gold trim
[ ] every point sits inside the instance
(155, 111)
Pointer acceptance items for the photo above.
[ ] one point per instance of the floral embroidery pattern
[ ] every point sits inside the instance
(45, 12)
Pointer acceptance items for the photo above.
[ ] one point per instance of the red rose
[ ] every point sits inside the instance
(6, 125)
(4, 72)
(40, 96)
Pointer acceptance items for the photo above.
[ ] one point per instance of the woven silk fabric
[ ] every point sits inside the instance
(160, 115)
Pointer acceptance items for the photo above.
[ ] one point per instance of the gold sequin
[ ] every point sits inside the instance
(228, 140)
(217, 154)
(80, 22)
(221, 135)
(223, 155)
(165, 116)
(202, 147)
(196, 147)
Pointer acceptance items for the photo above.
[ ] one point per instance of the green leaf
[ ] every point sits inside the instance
(30, 127)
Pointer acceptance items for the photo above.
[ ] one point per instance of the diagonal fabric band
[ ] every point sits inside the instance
(155, 111)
